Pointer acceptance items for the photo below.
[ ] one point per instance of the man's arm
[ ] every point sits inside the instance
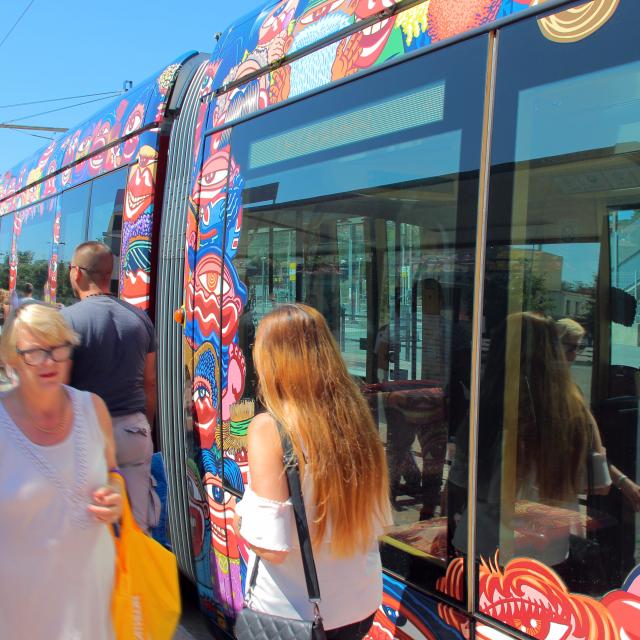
(149, 383)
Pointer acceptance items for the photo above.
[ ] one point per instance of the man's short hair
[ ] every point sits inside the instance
(27, 288)
(96, 259)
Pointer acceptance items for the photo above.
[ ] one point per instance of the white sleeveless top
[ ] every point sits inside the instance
(57, 560)
(350, 588)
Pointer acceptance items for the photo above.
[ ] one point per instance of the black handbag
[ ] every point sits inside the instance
(256, 625)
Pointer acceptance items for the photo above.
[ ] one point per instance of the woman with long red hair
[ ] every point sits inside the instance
(306, 389)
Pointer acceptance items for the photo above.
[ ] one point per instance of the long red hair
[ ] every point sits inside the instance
(305, 385)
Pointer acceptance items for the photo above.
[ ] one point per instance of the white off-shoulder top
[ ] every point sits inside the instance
(351, 588)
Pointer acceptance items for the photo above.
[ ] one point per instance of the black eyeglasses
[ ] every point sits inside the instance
(77, 266)
(38, 356)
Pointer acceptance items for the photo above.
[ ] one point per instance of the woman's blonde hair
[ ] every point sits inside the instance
(43, 321)
(305, 385)
(571, 328)
(555, 424)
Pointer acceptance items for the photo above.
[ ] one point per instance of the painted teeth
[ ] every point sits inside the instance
(375, 28)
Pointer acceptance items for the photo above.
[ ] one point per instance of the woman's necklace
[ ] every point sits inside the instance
(51, 430)
(61, 424)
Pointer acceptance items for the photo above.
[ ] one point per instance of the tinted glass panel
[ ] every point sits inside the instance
(34, 248)
(6, 233)
(105, 215)
(75, 204)
(361, 202)
(561, 332)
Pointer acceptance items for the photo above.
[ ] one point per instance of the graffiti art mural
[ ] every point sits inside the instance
(530, 597)
(124, 133)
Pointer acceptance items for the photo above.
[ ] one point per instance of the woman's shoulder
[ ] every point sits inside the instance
(88, 398)
(263, 420)
(263, 439)
(263, 428)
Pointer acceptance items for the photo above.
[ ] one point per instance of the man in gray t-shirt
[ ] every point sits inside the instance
(116, 359)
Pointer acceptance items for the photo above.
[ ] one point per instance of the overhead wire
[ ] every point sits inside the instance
(33, 135)
(86, 95)
(15, 24)
(70, 106)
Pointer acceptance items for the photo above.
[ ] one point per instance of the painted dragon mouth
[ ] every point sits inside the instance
(373, 40)
(136, 203)
(521, 606)
(129, 147)
(320, 12)
(206, 312)
(222, 533)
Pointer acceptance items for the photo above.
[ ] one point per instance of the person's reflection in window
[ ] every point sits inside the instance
(572, 335)
(552, 432)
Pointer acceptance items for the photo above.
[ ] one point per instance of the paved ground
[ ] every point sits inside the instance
(193, 625)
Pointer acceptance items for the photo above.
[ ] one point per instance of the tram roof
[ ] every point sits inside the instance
(121, 118)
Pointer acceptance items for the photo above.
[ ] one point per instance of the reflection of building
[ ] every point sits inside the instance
(536, 274)
(111, 237)
(625, 275)
(572, 304)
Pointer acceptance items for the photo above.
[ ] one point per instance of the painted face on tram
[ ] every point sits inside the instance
(276, 21)
(134, 122)
(205, 396)
(141, 184)
(221, 510)
(40, 364)
(214, 296)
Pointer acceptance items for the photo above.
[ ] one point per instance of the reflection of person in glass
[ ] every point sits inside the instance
(555, 428)
(531, 471)
(572, 335)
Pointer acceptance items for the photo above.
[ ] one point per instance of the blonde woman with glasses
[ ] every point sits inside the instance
(56, 448)
(306, 389)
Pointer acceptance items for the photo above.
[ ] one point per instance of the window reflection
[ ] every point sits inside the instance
(74, 204)
(34, 245)
(6, 233)
(376, 229)
(561, 348)
(105, 215)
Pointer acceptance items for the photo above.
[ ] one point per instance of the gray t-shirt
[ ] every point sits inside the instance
(115, 338)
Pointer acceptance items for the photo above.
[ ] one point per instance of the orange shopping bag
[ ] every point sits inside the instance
(145, 604)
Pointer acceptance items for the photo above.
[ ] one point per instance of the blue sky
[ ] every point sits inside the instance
(66, 48)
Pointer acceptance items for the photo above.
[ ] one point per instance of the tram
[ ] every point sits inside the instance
(436, 177)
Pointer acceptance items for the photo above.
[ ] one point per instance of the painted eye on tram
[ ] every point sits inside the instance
(218, 494)
(200, 393)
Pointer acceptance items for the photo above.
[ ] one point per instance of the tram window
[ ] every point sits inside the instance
(34, 247)
(74, 204)
(361, 202)
(561, 327)
(105, 215)
(6, 234)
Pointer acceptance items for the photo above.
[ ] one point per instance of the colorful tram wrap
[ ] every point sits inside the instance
(428, 175)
